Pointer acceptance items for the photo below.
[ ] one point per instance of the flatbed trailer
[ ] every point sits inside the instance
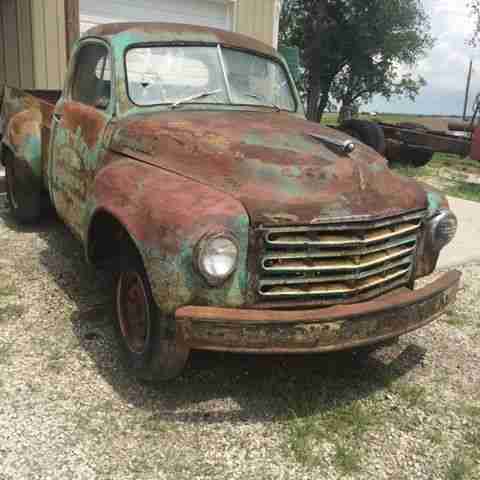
(415, 144)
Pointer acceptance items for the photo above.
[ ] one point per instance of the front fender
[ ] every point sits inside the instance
(427, 257)
(166, 215)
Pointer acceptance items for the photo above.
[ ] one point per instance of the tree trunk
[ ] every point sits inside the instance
(318, 97)
(312, 102)
(323, 103)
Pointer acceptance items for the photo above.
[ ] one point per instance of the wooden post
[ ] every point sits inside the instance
(72, 24)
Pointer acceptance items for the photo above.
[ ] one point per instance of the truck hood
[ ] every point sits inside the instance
(271, 163)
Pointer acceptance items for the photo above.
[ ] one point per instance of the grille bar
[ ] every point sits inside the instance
(321, 238)
(346, 277)
(284, 254)
(338, 262)
(328, 265)
(333, 288)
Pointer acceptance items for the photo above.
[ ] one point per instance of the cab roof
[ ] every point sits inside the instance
(140, 32)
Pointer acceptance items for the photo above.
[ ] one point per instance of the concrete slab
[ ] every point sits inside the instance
(465, 248)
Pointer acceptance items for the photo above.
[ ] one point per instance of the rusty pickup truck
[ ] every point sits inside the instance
(180, 157)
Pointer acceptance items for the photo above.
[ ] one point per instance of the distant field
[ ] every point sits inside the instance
(433, 122)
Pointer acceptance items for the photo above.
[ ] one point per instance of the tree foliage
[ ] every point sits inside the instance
(474, 6)
(354, 49)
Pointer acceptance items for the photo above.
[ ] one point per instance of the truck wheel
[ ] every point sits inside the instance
(368, 132)
(24, 198)
(139, 324)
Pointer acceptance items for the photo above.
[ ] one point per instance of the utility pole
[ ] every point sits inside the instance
(467, 92)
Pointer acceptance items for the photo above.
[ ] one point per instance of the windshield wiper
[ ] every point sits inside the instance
(195, 97)
(268, 104)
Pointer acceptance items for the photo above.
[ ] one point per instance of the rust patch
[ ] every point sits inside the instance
(270, 163)
(179, 32)
(89, 120)
(321, 330)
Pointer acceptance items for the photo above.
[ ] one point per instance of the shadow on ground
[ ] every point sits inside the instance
(261, 388)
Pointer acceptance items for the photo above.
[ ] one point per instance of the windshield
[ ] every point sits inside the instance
(178, 75)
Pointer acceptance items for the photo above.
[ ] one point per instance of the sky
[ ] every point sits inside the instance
(445, 67)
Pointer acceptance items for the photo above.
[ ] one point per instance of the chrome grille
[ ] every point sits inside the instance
(337, 263)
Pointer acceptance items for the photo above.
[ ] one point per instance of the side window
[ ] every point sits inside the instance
(92, 80)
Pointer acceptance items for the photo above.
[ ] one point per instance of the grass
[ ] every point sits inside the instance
(413, 395)
(458, 469)
(453, 318)
(332, 118)
(10, 311)
(7, 291)
(465, 190)
(342, 426)
(448, 173)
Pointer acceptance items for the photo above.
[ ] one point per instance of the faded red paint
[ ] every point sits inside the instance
(141, 197)
(86, 118)
(270, 163)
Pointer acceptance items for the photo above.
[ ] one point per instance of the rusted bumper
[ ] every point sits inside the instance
(321, 330)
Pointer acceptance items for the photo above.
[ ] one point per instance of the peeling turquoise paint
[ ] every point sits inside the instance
(176, 281)
(31, 151)
(435, 201)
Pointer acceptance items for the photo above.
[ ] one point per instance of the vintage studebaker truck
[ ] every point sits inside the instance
(180, 157)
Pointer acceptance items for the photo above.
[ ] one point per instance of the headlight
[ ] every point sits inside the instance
(217, 258)
(443, 228)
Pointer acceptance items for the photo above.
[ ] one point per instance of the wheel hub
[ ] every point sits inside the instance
(133, 311)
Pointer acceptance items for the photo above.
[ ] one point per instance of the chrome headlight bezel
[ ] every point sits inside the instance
(202, 250)
(442, 228)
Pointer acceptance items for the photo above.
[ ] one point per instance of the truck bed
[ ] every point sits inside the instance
(20, 106)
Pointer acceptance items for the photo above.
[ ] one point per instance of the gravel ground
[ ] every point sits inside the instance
(68, 409)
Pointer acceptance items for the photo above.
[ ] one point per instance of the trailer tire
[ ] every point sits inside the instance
(419, 158)
(368, 132)
(24, 197)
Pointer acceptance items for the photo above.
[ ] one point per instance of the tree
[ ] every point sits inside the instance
(354, 49)
(474, 6)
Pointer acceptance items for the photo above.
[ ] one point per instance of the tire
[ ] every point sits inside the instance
(398, 153)
(418, 157)
(24, 196)
(140, 327)
(368, 132)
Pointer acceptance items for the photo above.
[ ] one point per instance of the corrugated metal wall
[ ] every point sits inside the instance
(16, 67)
(259, 19)
(33, 41)
(49, 41)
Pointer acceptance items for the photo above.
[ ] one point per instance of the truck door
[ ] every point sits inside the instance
(79, 121)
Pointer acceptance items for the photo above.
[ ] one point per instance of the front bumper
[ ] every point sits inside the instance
(321, 330)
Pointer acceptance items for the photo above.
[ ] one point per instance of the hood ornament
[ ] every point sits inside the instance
(347, 146)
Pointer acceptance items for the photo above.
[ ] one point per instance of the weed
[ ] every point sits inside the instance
(7, 291)
(413, 395)
(465, 190)
(453, 318)
(347, 458)
(342, 425)
(458, 469)
(10, 311)
(435, 437)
